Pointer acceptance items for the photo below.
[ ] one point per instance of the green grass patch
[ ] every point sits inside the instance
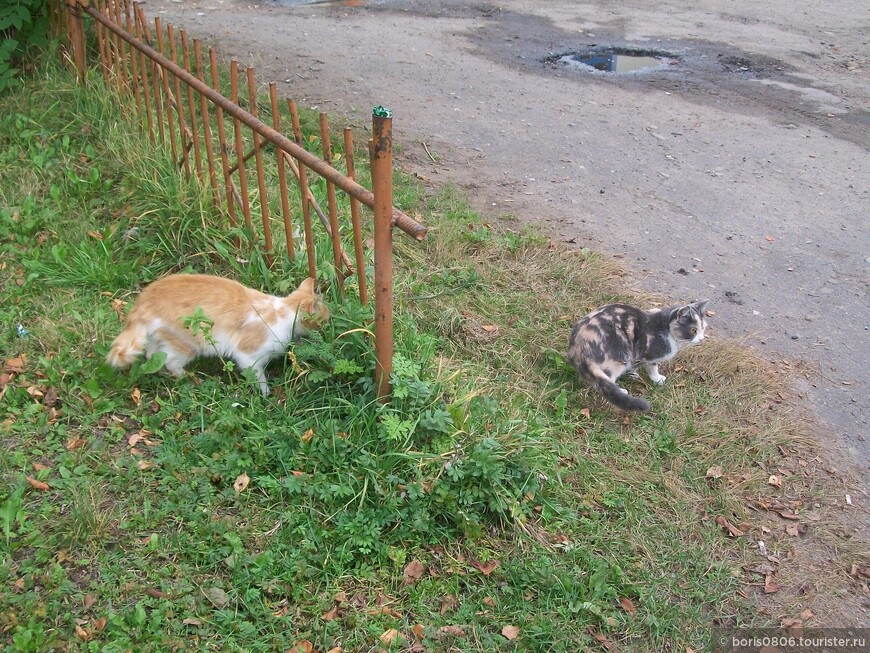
(140, 512)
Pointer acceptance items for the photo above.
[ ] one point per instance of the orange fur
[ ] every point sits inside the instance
(247, 326)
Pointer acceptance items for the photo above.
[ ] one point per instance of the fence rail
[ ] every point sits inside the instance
(161, 85)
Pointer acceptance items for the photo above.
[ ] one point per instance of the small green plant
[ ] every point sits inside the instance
(23, 24)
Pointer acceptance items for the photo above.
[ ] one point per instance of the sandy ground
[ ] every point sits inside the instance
(739, 173)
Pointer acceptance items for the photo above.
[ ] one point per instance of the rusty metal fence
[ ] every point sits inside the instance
(163, 83)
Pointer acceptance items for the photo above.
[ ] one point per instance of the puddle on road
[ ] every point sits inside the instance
(616, 60)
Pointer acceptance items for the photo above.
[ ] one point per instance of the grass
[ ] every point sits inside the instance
(141, 512)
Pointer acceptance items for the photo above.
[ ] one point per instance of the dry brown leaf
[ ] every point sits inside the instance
(486, 568)
(241, 483)
(15, 365)
(155, 593)
(82, 634)
(488, 600)
(604, 641)
(136, 396)
(413, 571)
(336, 649)
(331, 615)
(715, 472)
(390, 636)
(144, 464)
(732, 530)
(775, 480)
(418, 630)
(100, 624)
(455, 631)
(769, 585)
(89, 601)
(75, 442)
(448, 603)
(302, 647)
(37, 485)
(190, 621)
(19, 584)
(586, 412)
(793, 529)
(306, 437)
(627, 605)
(510, 632)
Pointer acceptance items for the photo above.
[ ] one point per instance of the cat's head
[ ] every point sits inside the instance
(311, 309)
(688, 323)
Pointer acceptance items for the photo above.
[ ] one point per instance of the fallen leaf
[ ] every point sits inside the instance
(306, 437)
(241, 483)
(336, 649)
(488, 600)
(769, 239)
(390, 636)
(586, 413)
(486, 568)
(413, 571)
(302, 647)
(489, 328)
(190, 621)
(96, 235)
(136, 396)
(331, 615)
(15, 365)
(732, 530)
(154, 593)
(807, 614)
(775, 480)
(769, 585)
(715, 472)
(785, 514)
(100, 624)
(19, 584)
(455, 631)
(510, 632)
(216, 596)
(82, 634)
(793, 529)
(418, 630)
(448, 603)
(75, 442)
(627, 605)
(604, 641)
(89, 601)
(144, 464)
(37, 485)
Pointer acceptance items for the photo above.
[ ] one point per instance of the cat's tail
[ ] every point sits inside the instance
(127, 346)
(614, 394)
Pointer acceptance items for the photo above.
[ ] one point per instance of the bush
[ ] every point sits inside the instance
(23, 24)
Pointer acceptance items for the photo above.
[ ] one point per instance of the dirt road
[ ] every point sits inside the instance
(739, 171)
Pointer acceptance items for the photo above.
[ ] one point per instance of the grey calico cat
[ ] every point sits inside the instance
(617, 338)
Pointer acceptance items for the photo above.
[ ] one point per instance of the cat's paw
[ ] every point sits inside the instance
(623, 391)
(659, 380)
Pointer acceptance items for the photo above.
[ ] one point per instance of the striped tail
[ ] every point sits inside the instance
(616, 395)
(127, 346)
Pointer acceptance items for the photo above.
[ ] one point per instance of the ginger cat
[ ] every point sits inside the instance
(240, 323)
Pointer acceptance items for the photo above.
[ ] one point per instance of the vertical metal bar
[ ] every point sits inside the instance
(101, 42)
(122, 52)
(282, 174)
(261, 179)
(155, 74)
(333, 206)
(206, 122)
(134, 64)
(354, 217)
(77, 38)
(222, 138)
(166, 92)
(303, 189)
(240, 148)
(179, 106)
(146, 91)
(191, 104)
(381, 154)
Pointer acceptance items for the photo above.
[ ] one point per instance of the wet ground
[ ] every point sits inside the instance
(737, 170)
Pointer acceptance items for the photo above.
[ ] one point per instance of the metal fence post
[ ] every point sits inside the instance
(77, 37)
(381, 155)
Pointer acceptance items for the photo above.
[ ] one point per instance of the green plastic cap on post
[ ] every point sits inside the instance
(381, 112)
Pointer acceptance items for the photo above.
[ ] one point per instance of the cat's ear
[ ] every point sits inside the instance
(309, 285)
(700, 306)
